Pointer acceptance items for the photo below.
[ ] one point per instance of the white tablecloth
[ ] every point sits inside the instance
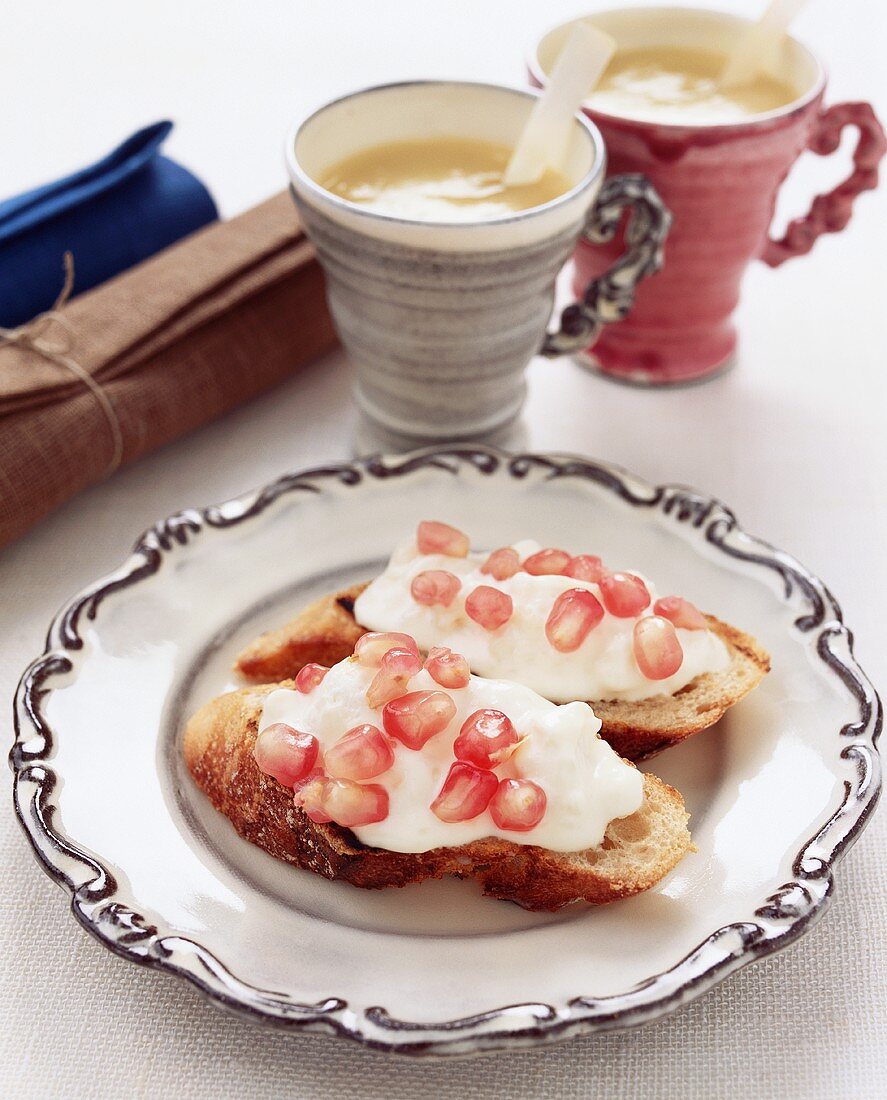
(793, 440)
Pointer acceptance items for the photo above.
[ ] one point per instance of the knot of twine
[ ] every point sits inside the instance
(49, 335)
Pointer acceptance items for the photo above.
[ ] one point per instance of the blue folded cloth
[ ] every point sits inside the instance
(110, 215)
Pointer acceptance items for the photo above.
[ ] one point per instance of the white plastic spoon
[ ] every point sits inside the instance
(757, 49)
(546, 134)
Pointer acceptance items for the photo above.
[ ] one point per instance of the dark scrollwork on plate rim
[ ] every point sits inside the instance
(779, 919)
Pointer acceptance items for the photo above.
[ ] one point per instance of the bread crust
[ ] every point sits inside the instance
(642, 729)
(326, 631)
(636, 853)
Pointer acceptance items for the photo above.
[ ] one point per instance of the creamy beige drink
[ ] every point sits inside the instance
(441, 179)
(675, 84)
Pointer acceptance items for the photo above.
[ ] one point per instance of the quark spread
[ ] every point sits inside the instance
(603, 667)
(586, 784)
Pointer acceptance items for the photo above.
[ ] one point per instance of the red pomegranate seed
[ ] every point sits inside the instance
(353, 804)
(486, 738)
(440, 538)
(372, 647)
(446, 668)
(657, 649)
(309, 676)
(362, 753)
(518, 805)
(585, 567)
(502, 564)
(574, 615)
(415, 718)
(681, 613)
(308, 796)
(285, 753)
(347, 803)
(625, 595)
(466, 792)
(398, 667)
(489, 607)
(435, 586)
(547, 562)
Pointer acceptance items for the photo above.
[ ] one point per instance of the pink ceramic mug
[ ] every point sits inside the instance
(720, 182)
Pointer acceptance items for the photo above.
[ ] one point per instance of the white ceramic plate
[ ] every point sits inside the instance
(777, 791)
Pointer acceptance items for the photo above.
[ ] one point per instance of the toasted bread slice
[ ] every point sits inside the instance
(326, 631)
(636, 852)
(639, 730)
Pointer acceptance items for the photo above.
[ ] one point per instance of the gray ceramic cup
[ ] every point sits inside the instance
(441, 318)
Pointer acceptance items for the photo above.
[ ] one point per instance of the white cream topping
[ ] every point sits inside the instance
(587, 785)
(603, 667)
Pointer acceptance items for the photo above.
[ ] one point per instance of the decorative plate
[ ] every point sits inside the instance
(778, 790)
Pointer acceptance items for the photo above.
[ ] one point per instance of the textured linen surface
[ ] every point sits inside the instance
(111, 215)
(793, 440)
(80, 1022)
(192, 332)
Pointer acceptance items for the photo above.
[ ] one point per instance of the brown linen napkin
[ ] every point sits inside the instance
(175, 342)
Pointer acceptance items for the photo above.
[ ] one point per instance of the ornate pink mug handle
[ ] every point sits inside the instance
(829, 213)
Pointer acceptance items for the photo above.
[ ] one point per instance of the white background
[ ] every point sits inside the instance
(793, 439)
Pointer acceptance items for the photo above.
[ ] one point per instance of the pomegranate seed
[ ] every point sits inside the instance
(574, 615)
(414, 718)
(372, 647)
(435, 586)
(440, 538)
(489, 607)
(353, 804)
(446, 668)
(466, 792)
(546, 562)
(624, 594)
(681, 613)
(585, 567)
(309, 797)
(502, 564)
(486, 738)
(362, 753)
(347, 803)
(396, 670)
(518, 805)
(285, 753)
(309, 676)
(657, 649)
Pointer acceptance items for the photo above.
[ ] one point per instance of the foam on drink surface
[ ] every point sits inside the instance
(441, 179)
(676, 84)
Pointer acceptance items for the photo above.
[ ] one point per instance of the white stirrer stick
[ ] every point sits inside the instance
(757, 50)
(545, 138)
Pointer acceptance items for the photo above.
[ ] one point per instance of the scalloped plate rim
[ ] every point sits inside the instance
(510, 1026)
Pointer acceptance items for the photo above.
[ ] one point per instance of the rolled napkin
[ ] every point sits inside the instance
(196, 330)
(111, 216)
